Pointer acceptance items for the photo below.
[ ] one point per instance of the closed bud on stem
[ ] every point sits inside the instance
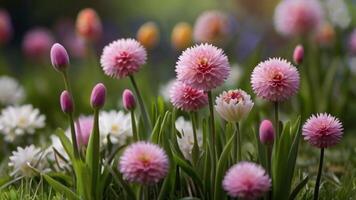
(298, 54)
(59, 57)
(267, 132)
(66, 102)
(98, 96)
(128, 100)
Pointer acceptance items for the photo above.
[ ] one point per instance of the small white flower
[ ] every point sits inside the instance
(116, 125)
(164, 90)
(186, 142)
(56, 144)
(19, 120)
(23, 157)
(338, 13)
(233, 105)
(11, 92)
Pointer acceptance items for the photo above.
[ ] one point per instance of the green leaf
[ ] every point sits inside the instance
(118, 178)
(67, 145)
(221, 168)
(298, 188)
(59, 187)
(155, 131)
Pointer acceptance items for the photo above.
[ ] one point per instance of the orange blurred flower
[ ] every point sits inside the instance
(88, 24)
(181, 37)
(148, 35)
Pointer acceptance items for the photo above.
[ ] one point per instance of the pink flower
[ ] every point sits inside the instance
(88, 24)
(59, 57)
(267, 132)
(37, 43)
(144, 163)
(122, 58)
(298, 54)
(187, 98)
(322, 130)
(297, 17)
(212, 27)
(66, 102)
(352, 42)
(83, 129)
(98, 96)
(5, 27)
(275, 79)
(128, 100)
(246, 180)
(203, 67)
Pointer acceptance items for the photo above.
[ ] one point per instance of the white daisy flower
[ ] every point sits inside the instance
(338, 13)
(56, 144)
(19, 120)
(186, 142)
(11, 92)
(116, 125)
(165, 89)
(23, 157)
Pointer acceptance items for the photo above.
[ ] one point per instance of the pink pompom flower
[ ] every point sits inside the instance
(212, 26)
(37, 43)
(123, 58)
(144, 163)
(187, 98)
(83, 129)
(297, 17)
(203, 67)
(246, 180)
(322, 130)
(275, 79)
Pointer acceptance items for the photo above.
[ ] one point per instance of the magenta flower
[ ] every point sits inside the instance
(267, 132)
(275, 79)
(144, 163)
(297, 17)
(128, 100)
(83, 129)
(298, 54)
(37, 43)
(246, 180)
(322, 130)
(123, 58)
(5, 27)
(212, 27)
(98, 96)
(187, 98)
(352, 42)
(59, 57)
(66, 102)
(203, 67)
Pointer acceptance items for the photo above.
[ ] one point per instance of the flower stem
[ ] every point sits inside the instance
(318, 178)
(195, 149)
(74, 136)
(276, 119)
(133, 126)
(237, 149)
(212, 122)
(269, 161)
(144, 113)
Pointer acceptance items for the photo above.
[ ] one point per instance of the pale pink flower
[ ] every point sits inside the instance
(233, 105)
(213, 27)
(122, 58)
(37, 43)
(83, 129)
(246, 180)
(322, 130)
(297, 17)
(187, 98)
(203, 66)
(275, 79)
(352, 42)
(298, 54)
(144, 163)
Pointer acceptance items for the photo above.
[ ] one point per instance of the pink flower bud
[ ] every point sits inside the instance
(59, 57)
(66, 102)
(5, 27)
(98, 95)
(128, 99)
(266, 132)
(298, 54)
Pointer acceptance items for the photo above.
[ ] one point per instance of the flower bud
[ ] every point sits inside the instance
(66, 102)
(148, 35)
(182, 35)
(5, 27)
(266, 132)
(59, 57)
(128, 99)
(98, 95)
(88, 24)
(298, 54)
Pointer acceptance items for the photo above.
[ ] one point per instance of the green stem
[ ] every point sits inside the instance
(133, 125)
(144, 113)
(318, 178)
(74, 136)
(238, 142)
(212, 121)
(195, 150)
(269, 168)
(276, 119)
